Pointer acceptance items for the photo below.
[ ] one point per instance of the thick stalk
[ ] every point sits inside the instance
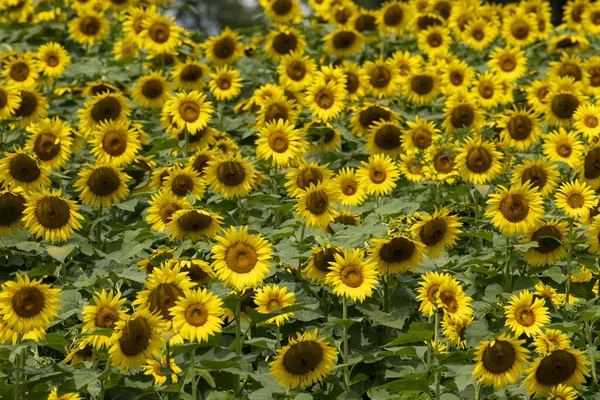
(569, 259)
(300, 250)
(102, 388)
(278, 337)
(187, 141)
(507, 271)
(345, 350)
(436, 339)
(194, 378)
(238, 338)
(588, 328)
(99, 228)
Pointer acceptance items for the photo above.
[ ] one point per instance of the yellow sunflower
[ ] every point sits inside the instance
(53, 59)
(232, 176)
(157, 370)
(591, 67)
(322, 136)
(10, 101)
(282, 11)
(519, 29)
(488, 90)
(378, 175)
(104, 313)
(393, 17)
(226, 48)
(428, 289)
(316, 204)
(189, 110)
(199, 271)
(550, 340)
(28, 305)
(197, 315)
(510, 62)
(241, 260)
(565, 146)
(301, 177)
(296, 71)
(352, 276)
(454, 329)
(536, 95)
(189, 75)
(419, 135)
(440, 159)
(21, 71)
(526, 315)
(50, 140)
(434, 41)
(49, 214)
(305, 361)
(397, 254)
(412, 167)
(193, 223)
(279, 107)
(516, 210)
(325, 99)
(115, 143)
(479, 162)
(67, 396)
(458, 75)
(152, 90)
(384, 78)
(272, 298)
(183, 180)
(586, 120)
(160, 34)
(89, 27)
(575, 199)
(23, 169)
(461, 111)
(161, 208)
(12, 206)
(104, 107)
(540, 172)
(479, 34)
(421, 87)
(437, 232)
(79, 351)
(500, 361)
(281, 143)
(451, 299)
(32, 108)
(101, 184)
(136, 339)
(319, 262)
(225, 83)
(563, 99)
(594, 236)
(568, 367)
(344, 42)
(352, 191)
(550, 239)
(384, 138)
(283, 40)
(370, 113)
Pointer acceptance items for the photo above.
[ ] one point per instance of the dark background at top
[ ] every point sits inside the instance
(210, 16)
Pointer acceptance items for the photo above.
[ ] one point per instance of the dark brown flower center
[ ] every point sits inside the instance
(296, 70)
(388, 137)
(194, 221)
(324, 257)
(196, 315)
(224, 48)
(499, 357)
(52, 212)
(46, 146)
(564, 149)
(514, 207)
(163, 298)
(520, 29)
(191, 73)
(422, 138)
(570, 69)
(575, 200)
(462, 116)
(377, 175)
(89, 25)
(536, 175)
(317, 202)
(24, 168)
(426, 21)
(159, 32)
(457, 78)
(189, 111)
(241, 258)
(564, 105)
(479, 160)
(443, 162)
(577, 11)
(343, 39)
(435, 39)
(114, 143)
(422, 84)
(135, 336)
(19, 72)
(548, 238)
(182, 184)
(365, 22)
(103, 181)
(106, 109)
(200, 163)
(3, 98)
(556, 368)
(106, 317)
(307, 176)
(397, 250)
(325, 98)
(285, 43)
(433, 231)
(28, 302)
(168, 210)
(11, 208)
(279, 142)
(302, 358)
(444, 8)
(591, 164)
(486, 90)
(352, 276)
(594, 74)
(196, 273)
(282, 7)
(478, 34)
(29, 105)
(276, 111)
(507, 63)
(393, 15)
(152, 88)
(231, 173)
(380, 77)
(372, 114)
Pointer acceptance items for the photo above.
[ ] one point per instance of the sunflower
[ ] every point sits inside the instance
(440, 159)
(21, 71)
(352, 276)
(300, 178)
(366, 116)
(200, 160)
(319, 262)
(95, 88)
(412, 167)
(192, 223)
(384, 78)
(102, 184)
(23, 169)
(226, 48)
(67, 396)
(344, 42)
(279, 107)
(53, 59)
(225, 83)
(157, 370)
(104, 313)
(437, 232)
(525, 315)
(199, 271)
(575, 199)
(189, 110)
(451, 298)
(458, 75)
(49, 214)
(397, 254)
(189, 75)
(325, 99)
(564, 146)
(550, 294)
(591, 66)
(434, 41)
(428, 290)
(322, 136)
(305, 361)
(519, 29)
(581, 275)
(136, 339)
(232, 176)
(357, 81)
(197, 315)
(51, 142)
(454, 330)
(160, 34)
(419, 135)
(315, 205)
(569, 65)
(479, 34)
(550, 239)
(10, 101)
(542, 174)
(421, 87)
(105, 108)
(500, 361)
(562, 100)
(536, 95)
(351, 191)
(241, 260)
(384, 138)
(515, 211)
(378, 175)
(296, 71)
(510, 62)
(32, 108)
(568, 367)
(152, 90)
(393, 17)
(281, 143)
(586, 120)
(161, 208)
(88, 27)
(12, 206)
(282, 11)
(593, 236)
(79, 351)
(115, 143)
(479, 162)
(283, 40)
(181, 181)
(488, 90)
(550, 340)
(462, 112)
(272, 298)
(572, 13)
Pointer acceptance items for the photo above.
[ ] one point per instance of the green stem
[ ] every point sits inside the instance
(300, 250)
(588, 328)
(322, 149)
(507, 271)
(477, 391)
(194, 379)
(278, 337)
(102, 388)
(187, 141)
(345, 350)
(99, 228)
(386, 302)
(436, 339)
(569, 259)
(238, 338)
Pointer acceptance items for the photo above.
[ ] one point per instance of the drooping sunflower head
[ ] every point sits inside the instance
(550, 340)
(500, 361)
(365, 116)
(194, 223)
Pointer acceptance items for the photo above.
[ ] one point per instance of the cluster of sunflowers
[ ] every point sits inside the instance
(295, 196)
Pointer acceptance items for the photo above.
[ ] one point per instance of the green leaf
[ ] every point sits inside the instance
(418, 332)
(59, 253)
(410, 382)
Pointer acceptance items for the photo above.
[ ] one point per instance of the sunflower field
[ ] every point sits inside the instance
(339, 203)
